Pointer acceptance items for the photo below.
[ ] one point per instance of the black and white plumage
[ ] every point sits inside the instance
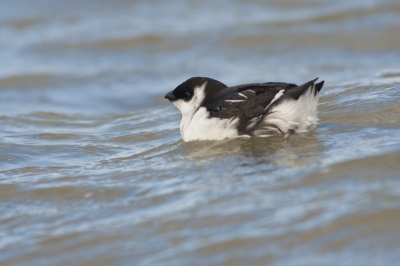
(213, 111)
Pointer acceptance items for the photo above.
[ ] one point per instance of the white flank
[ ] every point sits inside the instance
(299, 115)
(241, 94)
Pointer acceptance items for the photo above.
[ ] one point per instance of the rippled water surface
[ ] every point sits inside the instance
(93, 170)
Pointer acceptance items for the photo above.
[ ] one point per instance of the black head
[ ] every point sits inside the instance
(186, 90)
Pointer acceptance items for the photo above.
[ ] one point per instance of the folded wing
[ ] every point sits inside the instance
(251, 102)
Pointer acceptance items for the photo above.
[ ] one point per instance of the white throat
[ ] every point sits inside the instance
(189, 108)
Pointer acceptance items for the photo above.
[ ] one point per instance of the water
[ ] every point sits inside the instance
(93, 170)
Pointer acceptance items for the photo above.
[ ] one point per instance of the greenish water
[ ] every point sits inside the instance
(93, 170)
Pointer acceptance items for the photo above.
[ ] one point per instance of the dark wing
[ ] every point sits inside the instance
(248, 102)
(251, 102)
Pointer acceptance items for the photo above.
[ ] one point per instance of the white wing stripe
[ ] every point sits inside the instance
(277, 96)
(234, 101)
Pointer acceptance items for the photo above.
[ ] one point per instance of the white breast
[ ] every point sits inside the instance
(201, 127)
(196, 123)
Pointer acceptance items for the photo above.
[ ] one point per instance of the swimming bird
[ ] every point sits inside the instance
(213, 111)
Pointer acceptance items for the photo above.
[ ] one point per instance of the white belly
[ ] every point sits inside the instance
(201, 127)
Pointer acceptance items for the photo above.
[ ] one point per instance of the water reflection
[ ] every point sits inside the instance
(301, 149)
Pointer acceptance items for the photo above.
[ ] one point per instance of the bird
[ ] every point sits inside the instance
(213, 111)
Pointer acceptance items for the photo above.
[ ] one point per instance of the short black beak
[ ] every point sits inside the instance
(170, 96)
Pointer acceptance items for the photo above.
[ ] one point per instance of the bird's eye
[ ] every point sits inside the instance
(187, 93)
